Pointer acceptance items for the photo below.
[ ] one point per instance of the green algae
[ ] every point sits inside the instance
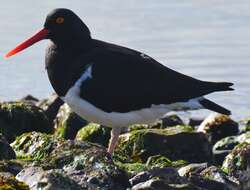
(160, 161)
(94, 133)
(133, 145)
(33, 146)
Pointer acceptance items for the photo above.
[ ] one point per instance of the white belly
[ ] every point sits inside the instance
(89, 112)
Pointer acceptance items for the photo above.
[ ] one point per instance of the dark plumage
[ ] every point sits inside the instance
(124, 79)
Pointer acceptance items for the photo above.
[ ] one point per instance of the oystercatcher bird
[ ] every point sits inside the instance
(113, 85)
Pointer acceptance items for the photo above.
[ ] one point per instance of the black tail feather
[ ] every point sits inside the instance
(222, 86)
(214, 107)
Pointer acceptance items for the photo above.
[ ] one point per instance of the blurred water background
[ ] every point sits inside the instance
(207, 39)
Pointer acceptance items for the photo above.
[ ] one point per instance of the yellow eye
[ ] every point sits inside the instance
(59, 20)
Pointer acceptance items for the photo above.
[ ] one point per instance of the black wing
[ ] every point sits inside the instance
(124, 80)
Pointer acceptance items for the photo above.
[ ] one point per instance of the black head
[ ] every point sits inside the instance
(64, 28)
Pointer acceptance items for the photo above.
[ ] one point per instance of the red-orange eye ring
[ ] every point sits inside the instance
(59, 20)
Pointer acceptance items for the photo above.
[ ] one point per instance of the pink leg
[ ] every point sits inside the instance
(114, 139)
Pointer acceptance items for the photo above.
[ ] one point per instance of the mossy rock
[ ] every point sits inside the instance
(160, 161)
(10, 183)
(137, 127)
(168, 121)
(94, 133)
(218, 126)
(132, 168)
(175, 143)
(67, 123)
(76, 159)
(156, 161)
(33, 145)
(17, 118)
(224, 146)
(238, 159)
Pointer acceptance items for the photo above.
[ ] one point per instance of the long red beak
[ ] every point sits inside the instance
(29, 42)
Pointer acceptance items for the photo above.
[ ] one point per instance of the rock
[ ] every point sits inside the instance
(175, 143)
(34, 146)
(168, 174)
(205, 177)
(29, 99)
(139, 127)
(94, 133)
(156, 161)
(216, 174)
(161, 178)
(132, 169)
(37, 179)
(195, 121)
(12, 166)
(191, 169)
(207, 184)
(89, 165)
(8, 182)
(224, 146)
(67, 123)
(218, 126)
(245, 137)
(238, 160)
(51, 106)
(160, 161)
(237, 164)
(171, 120)
(6, 152)
(159, 184)
(168, 121)
(17, 118)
